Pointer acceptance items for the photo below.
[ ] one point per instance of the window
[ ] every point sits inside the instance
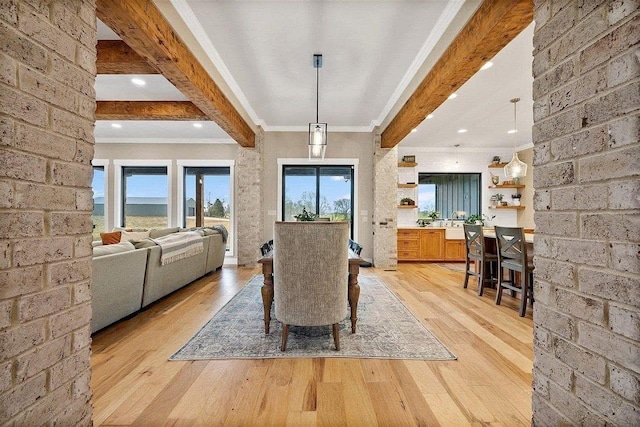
(97, 216)
(326, 191)
(210, 189)
(144, 197)
(448, 193)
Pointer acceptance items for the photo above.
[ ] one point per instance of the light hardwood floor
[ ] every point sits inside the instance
(490, 383)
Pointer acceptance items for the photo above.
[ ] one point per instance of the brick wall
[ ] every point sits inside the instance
(249, 215)
(385, 205)
(47, 103)
(587, 161)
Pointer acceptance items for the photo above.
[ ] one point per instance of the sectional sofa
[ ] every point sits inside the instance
(128, 276)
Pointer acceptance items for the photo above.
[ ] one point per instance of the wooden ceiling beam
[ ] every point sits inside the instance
(491, 28)
(148, 110)
(141, 26)
(115, 57)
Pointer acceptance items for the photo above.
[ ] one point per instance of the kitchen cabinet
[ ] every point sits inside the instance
(454, 250)
(432, 245)
(428, 244)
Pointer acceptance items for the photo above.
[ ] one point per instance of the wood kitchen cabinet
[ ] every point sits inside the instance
(454, 250)
(428, 244)
(432, 245)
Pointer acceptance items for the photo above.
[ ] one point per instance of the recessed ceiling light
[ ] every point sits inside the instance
(138, 82)
(414, 130)
(487, 65)
(429, 116)
(462, 130)
(512, 131)
(197, 125)
(116, 125)
(453, 95)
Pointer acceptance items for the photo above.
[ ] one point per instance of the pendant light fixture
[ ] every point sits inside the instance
(317, 131)
(516, 168)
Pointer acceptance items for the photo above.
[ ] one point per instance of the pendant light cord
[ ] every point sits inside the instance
(317, 92)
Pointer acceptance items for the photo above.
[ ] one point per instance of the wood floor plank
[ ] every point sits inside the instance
(134, 383)
(159, 409)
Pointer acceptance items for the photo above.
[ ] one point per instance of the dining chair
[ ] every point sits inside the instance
(476, 250)
(310, 270)
(513, 256)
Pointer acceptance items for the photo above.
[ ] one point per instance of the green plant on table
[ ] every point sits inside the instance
(305, 216)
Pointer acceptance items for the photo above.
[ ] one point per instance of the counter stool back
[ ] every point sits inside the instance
(512, 255)
(476, 251)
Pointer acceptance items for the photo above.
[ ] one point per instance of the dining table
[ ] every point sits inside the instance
(352, 284)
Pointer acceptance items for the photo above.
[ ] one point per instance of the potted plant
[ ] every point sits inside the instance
(495, 160)
(305, 216)
(406, 201)
(516, 199)
(499, 198)
(478, 219)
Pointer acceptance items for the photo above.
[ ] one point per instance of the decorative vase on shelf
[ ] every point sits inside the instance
(495, 179)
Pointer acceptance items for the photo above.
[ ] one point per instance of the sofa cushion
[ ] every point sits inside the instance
(161, 232)
(111, 238)
(133, 235)
(144, 243)
(113, 249)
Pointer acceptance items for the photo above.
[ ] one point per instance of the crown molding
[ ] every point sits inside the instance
(133, 140)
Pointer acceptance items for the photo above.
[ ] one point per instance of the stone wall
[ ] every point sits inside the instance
(385, 205)
(249, 195)
(47, 105)
(587, 161)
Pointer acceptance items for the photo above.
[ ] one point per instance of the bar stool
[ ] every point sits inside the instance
(512, 255)
(476, 251)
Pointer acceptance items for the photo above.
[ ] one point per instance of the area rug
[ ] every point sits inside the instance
(386, 329)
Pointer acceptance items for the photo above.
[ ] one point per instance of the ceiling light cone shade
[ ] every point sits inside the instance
(317, 140)
(515, 168)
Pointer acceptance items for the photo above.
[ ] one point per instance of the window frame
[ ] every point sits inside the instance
(354, 163)
(104, 163)
(117, 187)
(439, 208)
(184, 163)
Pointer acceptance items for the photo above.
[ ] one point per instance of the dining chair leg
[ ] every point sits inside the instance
(466, 273)
(336, 336)
(512, 279)
(525, 293)
(499, 286)
(481, 279)
(285, 336)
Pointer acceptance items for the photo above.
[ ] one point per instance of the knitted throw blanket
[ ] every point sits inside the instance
(177, 246)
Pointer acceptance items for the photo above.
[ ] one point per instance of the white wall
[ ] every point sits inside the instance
(340, 146)
(470, 161)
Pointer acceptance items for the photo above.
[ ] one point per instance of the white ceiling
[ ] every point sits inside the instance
(371, 50)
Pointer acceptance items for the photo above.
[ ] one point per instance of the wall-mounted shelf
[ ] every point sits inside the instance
(497, 165)
(506, 186)
(408, 164)
(507, 207)
(400, 185)
(407, 206)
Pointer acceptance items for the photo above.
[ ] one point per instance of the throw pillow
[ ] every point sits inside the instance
(111, 238)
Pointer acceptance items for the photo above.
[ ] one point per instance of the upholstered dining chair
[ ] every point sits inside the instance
(310, 270)
(476, 250)
(513, 256)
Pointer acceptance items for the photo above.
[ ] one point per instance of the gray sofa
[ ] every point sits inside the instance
(126, 279)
